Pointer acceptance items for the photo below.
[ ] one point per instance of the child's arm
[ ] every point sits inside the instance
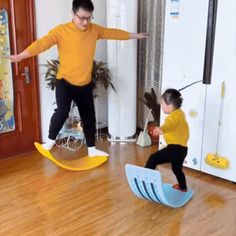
(170, 124)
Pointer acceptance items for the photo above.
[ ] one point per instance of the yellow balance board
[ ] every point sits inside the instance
(83, 163)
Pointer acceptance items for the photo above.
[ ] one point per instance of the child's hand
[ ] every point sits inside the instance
(157, 131)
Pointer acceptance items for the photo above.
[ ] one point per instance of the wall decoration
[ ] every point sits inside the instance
(174, 8)
(7, 121)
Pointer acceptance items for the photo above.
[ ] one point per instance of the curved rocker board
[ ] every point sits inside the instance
(83, 163)
(147, 184)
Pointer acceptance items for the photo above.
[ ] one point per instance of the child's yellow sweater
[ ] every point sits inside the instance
(76, 49)
(175, 129)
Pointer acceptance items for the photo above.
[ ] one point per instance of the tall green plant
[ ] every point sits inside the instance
(100, 74)
(51, 73)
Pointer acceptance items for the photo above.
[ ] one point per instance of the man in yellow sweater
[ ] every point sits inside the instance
(76, 42)
(176, 134)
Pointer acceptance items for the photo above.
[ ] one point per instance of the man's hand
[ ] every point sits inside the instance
(138, 35)
(19, 57)
(15, 58)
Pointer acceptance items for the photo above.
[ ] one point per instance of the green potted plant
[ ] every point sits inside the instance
(152, 101)
(101, 75)
(51, 72)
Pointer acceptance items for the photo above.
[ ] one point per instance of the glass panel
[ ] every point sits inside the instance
(7, 121)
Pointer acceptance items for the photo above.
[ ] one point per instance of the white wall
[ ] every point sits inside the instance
(48, 15)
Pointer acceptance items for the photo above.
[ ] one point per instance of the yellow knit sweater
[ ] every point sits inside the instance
(175, 129)
(76, 49)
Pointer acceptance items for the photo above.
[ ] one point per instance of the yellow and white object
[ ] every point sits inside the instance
(144, 139)
(214, 159)
(83, 163)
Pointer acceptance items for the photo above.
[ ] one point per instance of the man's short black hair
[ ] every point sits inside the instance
(87, 5)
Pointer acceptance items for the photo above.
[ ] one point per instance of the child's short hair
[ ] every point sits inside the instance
(174, 97)
(85, 4)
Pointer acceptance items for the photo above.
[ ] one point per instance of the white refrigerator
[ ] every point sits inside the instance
(211, 115)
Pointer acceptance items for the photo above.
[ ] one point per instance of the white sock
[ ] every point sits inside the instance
(49, 144)
(92, 151)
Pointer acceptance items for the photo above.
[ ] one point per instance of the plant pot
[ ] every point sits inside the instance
(154, 137)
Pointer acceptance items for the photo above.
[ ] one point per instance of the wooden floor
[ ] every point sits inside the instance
(38, 198)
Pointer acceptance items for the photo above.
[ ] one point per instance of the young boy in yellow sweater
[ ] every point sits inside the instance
(76, 43)
(176, 134)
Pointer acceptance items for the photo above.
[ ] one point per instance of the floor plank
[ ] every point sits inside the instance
(38, 198)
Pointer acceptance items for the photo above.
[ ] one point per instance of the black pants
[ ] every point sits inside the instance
(174, 154)
(83, 97)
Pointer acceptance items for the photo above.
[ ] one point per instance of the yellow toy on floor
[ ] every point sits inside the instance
(83, 163)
